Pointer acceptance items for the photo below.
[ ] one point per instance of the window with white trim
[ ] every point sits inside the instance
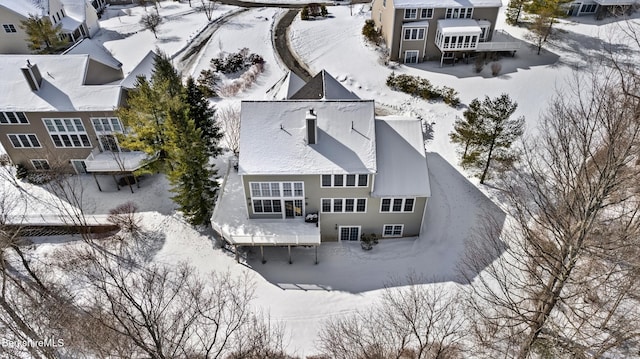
(410, 14)
(41, 165)
(413, 33)
(397, 205)
(13, 118)
(106, 124)
(459, 13)
(277, 189)
(426, 13)
(67, 132)
(588, 8)
(267, 206)
(9, 28)
(26, 140)
(392, 230)
(344, 180)
(344, 205)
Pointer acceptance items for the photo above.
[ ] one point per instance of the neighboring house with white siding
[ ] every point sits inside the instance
(322, 151)
(78, 20)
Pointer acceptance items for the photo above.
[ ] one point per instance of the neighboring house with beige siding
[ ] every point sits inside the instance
(322, 155)
(421, 30)
(57, 112)
(78, 19)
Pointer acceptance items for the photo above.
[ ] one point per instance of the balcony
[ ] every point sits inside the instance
(116, 162)
(500, 41)
(231, 221)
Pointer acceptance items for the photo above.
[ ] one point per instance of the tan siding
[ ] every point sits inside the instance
(371, 221)
(99, 74)
(58, 157)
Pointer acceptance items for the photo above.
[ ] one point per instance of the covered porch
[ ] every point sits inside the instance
(116, 163)
(231, 221)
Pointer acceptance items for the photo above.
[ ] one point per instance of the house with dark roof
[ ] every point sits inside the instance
(318, 166)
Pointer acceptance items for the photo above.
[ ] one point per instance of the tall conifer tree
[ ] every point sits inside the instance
(43, 37)
(203, 116)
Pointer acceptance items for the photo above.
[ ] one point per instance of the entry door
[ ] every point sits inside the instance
(288, 209)
(79, 166)
(349, 233)
(109, 143)
(411, 57)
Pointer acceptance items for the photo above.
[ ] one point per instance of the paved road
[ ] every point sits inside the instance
(283, 47)
(186, 57)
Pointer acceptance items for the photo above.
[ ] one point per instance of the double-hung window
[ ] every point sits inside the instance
(349, 180)
(459, 13)
(13, 118)
(392, 230)
(67, 132)
(397, 205)
(9, 28)
(426, 13)
(344, 205)
(24, 140)
(414, 34)
(410, 14)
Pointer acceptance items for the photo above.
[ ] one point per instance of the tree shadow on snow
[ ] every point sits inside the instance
(455, 212)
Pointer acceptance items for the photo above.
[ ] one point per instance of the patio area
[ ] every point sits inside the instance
(231, 221)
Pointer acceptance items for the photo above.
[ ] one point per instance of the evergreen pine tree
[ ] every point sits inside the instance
(161, 119)
(487, 133)
(191, 177)
(514, 9)
(201, 112)
(43, 37)
(465, 130)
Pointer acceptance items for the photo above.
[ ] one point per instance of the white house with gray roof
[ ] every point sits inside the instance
(321, 166)
(78, 19)
(443, 30)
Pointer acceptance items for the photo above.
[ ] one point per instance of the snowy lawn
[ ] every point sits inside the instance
(122, 34)
(336, 45)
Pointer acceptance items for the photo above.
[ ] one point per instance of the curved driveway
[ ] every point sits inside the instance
(280, 38)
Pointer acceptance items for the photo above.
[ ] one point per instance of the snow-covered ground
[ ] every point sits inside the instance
(302, 295)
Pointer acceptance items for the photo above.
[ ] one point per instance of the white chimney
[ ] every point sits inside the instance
(312, 127)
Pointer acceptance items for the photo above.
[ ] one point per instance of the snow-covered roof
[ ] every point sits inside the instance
(289, 84)
(424, 23)
(323, 86)
(409, 4)
(96, 52)
(273, 137)
(459, 26)
(402, 162)
(231, 221)
(26, 7)
(70, 24)
(62, 87)
(143, 68)
(75, 9)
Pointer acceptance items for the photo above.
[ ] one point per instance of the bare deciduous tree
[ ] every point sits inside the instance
(563, 287)
(229, 118)
(416, 321)
(208, 6)
(151, 22)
